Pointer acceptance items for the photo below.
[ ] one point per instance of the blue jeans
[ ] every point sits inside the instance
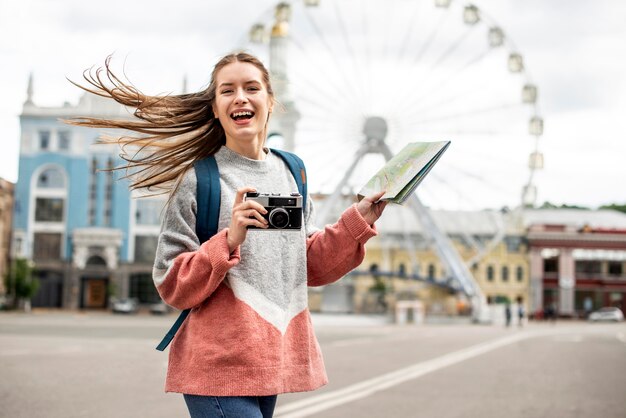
(230, 406)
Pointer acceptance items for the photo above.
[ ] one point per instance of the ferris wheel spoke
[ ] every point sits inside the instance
(455, 45)
(349, 47)
(462, 134)
(474, 112)
(410, 32)
(435, 67)
(328, 139)
(319, 119)
(320, 101)
(431, 38)
(331, 52)
(425, 47)
(451, 77)
(329, 85)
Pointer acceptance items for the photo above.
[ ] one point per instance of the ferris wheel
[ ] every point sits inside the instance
(358, 79)
(430, 69)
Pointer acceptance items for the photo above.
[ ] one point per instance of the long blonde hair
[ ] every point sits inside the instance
(174, 131)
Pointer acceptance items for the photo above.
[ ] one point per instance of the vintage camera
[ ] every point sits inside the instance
(283, 212)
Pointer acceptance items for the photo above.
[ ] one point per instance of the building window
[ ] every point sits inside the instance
(51, 179)
(145, 248)
(519, 274)
(551, 265)
(93, 191)
(44, 140)
(64, 140)
(401, 270)
(49, 209)
(142, 288)
(513, 244)
(490, 273)
(109, 193)
(505, 274)
(47, 246)
(96, 261)
(588, 268)
(431, 271)
(615, 268)
(148, 211)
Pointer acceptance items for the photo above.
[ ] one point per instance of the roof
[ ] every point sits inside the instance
(398, 219)
(577, 218)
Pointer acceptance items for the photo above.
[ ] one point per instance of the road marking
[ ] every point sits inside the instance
(314, 404)
(621, 336)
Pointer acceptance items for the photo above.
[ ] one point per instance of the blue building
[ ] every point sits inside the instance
(90, 237)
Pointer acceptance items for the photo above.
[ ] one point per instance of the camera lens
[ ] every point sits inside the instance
(279, 218)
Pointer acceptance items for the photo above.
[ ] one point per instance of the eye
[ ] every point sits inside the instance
(226, 91)
(254, 88)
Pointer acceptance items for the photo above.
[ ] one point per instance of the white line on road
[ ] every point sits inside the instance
(322, 402)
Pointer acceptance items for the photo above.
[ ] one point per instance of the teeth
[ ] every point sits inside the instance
(246, 113)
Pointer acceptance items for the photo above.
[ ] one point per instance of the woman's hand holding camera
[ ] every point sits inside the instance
(371, 207)
(245, 213)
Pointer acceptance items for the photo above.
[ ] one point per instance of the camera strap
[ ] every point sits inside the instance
(208, 212)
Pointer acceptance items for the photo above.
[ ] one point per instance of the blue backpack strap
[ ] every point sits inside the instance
(296, 166)
(208, 196)
(170, 334)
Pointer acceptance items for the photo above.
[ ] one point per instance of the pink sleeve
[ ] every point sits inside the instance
(338, 249)
(193, 276)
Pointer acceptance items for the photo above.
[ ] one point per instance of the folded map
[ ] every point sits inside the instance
(402, 174)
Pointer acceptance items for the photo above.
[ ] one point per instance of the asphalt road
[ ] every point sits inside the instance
(65, 365)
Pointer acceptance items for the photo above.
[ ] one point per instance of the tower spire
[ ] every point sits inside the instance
(29, 90)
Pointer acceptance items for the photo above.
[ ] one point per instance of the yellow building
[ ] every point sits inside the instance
(489, 241)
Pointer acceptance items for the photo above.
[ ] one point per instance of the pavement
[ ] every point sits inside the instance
(92, 364)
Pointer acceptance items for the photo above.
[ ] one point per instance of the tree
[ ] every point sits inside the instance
(615, 206)
(20, 283)
(550, 205)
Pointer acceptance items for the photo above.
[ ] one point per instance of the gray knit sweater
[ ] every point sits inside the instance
(271, 277)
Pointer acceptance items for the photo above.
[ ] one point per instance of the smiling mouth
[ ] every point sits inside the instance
(246, 114)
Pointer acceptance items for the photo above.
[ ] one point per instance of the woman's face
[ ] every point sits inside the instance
(242, 103)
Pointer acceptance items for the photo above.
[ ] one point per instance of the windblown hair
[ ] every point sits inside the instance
(173, 131)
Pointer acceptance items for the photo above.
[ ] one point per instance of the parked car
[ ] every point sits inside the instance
(160, 308)
(608, 313)
(126, 305)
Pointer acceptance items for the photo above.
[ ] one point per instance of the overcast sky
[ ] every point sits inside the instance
(575, 51)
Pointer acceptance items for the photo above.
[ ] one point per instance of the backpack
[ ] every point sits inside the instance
(208, 212)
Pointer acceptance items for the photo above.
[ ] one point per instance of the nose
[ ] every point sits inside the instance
(240, 96)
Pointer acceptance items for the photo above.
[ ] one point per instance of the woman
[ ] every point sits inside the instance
(249, 336)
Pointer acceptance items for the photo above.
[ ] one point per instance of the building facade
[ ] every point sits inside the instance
(403, 261)
(577, 261)
(571, 261)
(6, 219)
(89, 238)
